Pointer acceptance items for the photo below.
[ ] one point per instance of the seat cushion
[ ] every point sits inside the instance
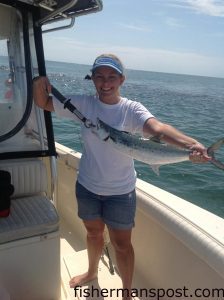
(29, 177)
(29, 216)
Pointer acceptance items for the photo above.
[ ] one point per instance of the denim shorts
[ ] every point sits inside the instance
(116, 211)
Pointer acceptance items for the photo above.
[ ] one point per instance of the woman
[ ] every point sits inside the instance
(105, 188)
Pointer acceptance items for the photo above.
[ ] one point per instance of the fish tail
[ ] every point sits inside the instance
(211, 152)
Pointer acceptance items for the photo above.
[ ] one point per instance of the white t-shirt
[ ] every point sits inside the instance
(104, 170)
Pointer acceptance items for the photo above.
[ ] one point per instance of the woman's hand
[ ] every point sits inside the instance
(41, 91)
(199, 154)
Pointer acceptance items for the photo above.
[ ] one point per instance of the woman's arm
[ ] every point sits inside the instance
(41, 91)
(173, 136)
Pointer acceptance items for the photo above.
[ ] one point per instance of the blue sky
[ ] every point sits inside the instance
(174, 36)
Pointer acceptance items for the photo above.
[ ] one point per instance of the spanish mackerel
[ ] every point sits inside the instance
(147, 150)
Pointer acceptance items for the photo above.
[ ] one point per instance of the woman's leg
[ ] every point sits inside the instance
(121, 240)
(95, 242)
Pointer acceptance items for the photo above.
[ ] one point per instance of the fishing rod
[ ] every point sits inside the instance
(88, 124)
(67, 104)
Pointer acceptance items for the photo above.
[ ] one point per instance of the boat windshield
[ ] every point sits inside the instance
(22, 125)
(12, 69)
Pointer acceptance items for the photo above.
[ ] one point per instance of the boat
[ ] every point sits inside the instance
(179, 247)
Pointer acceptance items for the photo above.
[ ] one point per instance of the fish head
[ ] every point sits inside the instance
(101, 130)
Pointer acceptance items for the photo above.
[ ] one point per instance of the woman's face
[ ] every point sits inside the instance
(107, 82)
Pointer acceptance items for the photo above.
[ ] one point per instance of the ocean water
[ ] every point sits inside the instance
(193, 104)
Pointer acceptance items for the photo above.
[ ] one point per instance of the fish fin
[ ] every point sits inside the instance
(211, 152)
(155, 169)
(156, 139)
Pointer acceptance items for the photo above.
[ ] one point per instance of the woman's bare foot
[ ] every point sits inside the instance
(81, 279)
